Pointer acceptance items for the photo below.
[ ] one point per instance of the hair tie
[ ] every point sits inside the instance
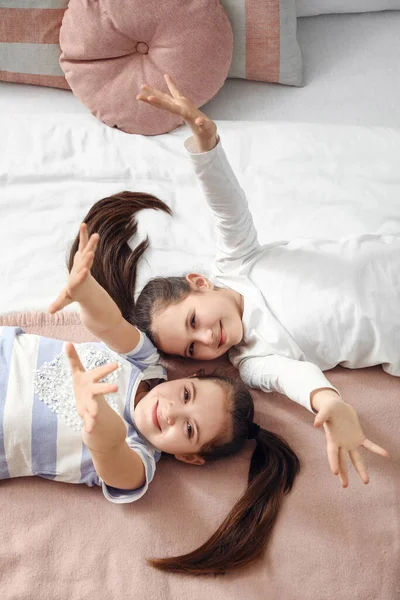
(254, 430)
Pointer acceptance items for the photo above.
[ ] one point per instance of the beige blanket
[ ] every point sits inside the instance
(65, 542)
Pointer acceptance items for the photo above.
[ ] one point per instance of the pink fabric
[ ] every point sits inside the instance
(110, 47)
(33, 79)
(263, 40)
(31, 26)
(67, 542)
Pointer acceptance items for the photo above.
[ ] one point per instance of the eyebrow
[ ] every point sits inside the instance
(185, 352)
(194, 391)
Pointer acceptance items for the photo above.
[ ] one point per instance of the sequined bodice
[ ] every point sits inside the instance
(53, 382)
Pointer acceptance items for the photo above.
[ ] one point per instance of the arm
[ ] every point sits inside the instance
(238, 236)
(104, 432)
(305, 383)
(99, 313)
(293, 378)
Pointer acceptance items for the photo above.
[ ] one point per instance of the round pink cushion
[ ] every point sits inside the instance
(110, 47)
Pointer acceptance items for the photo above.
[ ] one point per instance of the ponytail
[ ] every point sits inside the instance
(245, 532)
(115, 263)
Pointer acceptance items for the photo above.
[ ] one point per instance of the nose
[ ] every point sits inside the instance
(171, 414)
(206, 337)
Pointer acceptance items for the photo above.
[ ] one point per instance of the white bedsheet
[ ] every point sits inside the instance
(301, 180)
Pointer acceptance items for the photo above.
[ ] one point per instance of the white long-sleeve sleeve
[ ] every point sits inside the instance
(293, 378)
(238, 239)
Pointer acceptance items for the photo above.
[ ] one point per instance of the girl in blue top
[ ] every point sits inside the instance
(101, 414)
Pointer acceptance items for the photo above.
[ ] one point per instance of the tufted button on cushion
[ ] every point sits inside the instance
(110, 47)
(142, 48)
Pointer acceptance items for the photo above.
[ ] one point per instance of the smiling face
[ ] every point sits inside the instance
(204, 325)
(181, 416)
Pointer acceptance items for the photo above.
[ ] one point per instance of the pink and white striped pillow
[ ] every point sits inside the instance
(265, 46)
(29, 46)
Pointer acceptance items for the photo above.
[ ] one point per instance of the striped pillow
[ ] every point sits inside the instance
(29, 46)
(265, 46)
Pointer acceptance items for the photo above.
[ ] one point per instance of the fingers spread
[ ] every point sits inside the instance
(155, 92)
(333, 457)
(374, 448)
(172, 87)
(359, 465)
(83, 237)
(343, 475)
(100, 372)
(104, 388)
(92, 244)
(73, 358)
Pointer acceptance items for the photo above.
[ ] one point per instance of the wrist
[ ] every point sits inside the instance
(321, 396)
(205, 145)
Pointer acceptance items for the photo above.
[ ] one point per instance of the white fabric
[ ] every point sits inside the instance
(351, 76)
(331, 181)
(324, 302)
(310, 8)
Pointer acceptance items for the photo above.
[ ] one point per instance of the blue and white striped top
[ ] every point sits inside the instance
(40, 429)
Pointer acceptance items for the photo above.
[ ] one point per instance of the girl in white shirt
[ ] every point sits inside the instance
(285, 311)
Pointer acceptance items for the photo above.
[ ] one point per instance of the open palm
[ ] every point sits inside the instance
(80, 271)
(177, 104)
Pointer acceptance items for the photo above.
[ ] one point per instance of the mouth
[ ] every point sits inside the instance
(154, 416)
(222, 335)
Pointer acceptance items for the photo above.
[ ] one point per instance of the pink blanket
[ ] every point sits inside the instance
(65, 542)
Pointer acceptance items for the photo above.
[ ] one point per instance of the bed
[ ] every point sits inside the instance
(326, 154)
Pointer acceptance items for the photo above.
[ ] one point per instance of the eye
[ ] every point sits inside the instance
(191, 349)
(193, 321)
(189, 430)
(186, 395)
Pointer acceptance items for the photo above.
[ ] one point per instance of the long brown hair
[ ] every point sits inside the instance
(243, 535)
(245, 532)
(115, 263)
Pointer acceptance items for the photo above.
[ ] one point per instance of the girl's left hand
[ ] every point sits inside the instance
(344, 435)
(80, 272)
(203, 128)
(89, 393)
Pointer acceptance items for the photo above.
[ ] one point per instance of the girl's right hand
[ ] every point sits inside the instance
(203, 128)
(88, 390)
(80, 271)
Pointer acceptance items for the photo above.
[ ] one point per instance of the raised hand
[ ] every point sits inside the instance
(80, 271)
(89, 393)
(344, 435)
(202, 127)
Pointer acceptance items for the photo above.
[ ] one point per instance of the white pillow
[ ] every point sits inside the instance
(310, 8)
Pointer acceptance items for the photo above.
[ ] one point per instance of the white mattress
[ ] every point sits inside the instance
(301, 180)
(351, 69)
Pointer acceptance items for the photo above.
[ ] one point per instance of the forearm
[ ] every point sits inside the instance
(99, 312)
(296, 379)
(113, 459)
(227, 201)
